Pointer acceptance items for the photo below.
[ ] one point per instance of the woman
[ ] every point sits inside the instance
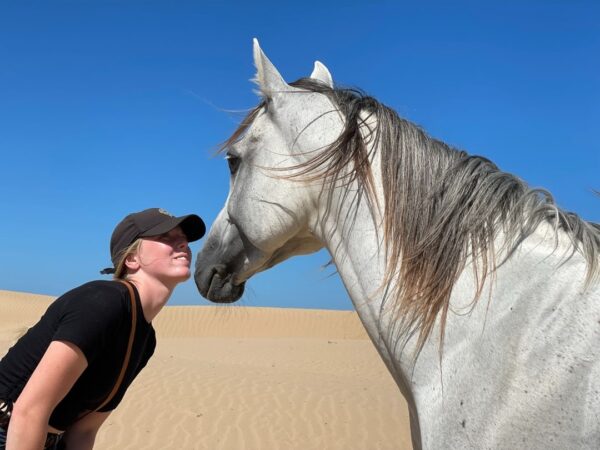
(55, 379)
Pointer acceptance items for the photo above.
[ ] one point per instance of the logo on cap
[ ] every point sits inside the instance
(165, 212)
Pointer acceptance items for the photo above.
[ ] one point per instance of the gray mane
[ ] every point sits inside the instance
(456, 204)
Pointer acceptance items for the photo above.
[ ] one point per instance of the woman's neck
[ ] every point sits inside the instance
(154, 294)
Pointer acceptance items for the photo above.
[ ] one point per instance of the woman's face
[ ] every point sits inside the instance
(166, 257)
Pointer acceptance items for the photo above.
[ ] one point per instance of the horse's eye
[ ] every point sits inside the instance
(233, 162)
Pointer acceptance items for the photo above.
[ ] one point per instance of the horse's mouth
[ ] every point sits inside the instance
(216, 285)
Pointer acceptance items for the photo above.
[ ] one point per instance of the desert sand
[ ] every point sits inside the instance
(239, 377)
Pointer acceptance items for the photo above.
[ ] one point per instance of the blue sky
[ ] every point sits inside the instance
(108, 107)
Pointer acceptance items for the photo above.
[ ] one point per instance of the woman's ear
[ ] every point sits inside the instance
(132, 261)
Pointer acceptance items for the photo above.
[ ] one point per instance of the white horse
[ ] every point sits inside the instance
(481, 296)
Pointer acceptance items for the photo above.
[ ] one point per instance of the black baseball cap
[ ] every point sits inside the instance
(148, 223)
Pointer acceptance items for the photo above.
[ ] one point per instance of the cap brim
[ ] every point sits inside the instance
(191, 225)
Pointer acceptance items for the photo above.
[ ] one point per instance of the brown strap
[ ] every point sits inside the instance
(129, 345)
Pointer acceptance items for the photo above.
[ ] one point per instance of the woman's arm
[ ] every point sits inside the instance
(58, 370)
(82, 434)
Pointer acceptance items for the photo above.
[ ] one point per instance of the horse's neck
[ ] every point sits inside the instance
(356, 246)
(488, 340)
(354, 238)
(353, 234)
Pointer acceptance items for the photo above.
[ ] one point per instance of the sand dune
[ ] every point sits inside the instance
(248, 378)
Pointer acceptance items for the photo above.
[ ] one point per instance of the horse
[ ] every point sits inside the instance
(480, 294)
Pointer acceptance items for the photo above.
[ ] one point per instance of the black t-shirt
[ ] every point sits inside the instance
(96, 317)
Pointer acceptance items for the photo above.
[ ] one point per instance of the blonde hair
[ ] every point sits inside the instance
(120, 268)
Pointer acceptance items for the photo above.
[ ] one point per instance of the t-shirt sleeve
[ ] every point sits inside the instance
(91, 315)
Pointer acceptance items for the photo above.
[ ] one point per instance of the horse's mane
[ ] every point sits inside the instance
(442, 207)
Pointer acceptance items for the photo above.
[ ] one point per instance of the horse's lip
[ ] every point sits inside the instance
(219, 288)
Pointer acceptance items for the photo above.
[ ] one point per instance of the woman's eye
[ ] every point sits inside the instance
(233, 162)
(169, 239)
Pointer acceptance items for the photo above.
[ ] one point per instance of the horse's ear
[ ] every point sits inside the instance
(322, 74)
(267, 77)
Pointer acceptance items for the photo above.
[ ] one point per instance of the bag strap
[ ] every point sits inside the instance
(129, 345)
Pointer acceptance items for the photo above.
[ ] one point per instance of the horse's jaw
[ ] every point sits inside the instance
(228, 258)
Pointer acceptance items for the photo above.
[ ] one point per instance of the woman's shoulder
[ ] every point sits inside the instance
(98, 288)
(96, 296)
(92, 315)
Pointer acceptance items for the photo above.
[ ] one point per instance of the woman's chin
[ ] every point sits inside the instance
(181, 275)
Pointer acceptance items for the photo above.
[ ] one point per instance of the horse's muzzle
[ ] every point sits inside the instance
(215, 284)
